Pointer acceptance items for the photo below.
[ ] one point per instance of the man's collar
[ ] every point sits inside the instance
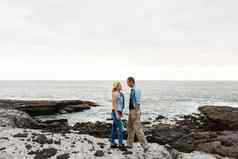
(133, 88)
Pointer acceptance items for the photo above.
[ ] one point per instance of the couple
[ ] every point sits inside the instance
(134, 126)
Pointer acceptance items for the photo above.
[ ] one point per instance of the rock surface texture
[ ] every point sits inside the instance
(15, 118)
(72, 146)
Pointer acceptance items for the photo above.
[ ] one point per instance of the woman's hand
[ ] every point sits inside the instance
(118, 115)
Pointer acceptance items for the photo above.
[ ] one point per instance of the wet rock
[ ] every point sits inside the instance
(160, 117)
(173, 152)
(58, 126)
(99, 153)
(64, 156)
(28, 146)
(42, 139)
(21, 135)
(2, 148)
(33, 152)
(164, 133)
(102, 145)
(193, 133)
(15, 113)
(4, 138)
(45, 153)
(76, 108)
(220, 117)
(146, 123)
(98, 129)
(57, 142)
(127, 153)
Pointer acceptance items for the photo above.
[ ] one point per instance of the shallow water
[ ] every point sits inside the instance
(166, 98)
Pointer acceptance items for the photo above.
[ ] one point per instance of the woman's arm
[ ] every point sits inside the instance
(114, 104)
(114, 98)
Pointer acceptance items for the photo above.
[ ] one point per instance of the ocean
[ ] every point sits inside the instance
(167, 98)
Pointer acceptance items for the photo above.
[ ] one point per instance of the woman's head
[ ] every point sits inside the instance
(117, 86)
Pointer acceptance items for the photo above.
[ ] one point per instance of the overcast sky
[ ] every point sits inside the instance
(109, 39)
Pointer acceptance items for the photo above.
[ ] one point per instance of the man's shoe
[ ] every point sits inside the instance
(146, 148)
(114, 146)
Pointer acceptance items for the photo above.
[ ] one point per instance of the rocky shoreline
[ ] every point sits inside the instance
(213, 131)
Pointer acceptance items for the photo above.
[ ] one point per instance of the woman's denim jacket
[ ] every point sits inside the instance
(120, 102)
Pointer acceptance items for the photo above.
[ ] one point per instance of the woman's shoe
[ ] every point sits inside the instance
(114, 146)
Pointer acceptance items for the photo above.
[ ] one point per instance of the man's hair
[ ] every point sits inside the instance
(131, 79)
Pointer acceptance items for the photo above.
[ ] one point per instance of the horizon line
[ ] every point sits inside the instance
(85, 80)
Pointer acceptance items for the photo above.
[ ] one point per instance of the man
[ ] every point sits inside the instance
(134, 126)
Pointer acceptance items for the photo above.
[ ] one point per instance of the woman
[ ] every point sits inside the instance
(118, 104)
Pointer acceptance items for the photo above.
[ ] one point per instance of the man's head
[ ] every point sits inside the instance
(131, 82)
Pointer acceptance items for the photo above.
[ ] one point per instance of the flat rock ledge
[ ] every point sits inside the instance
(47, 107)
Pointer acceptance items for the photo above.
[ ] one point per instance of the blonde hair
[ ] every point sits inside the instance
(115, 85)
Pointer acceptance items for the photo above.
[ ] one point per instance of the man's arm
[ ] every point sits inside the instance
(137, 98)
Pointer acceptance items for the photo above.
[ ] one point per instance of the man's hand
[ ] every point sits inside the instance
(137, 107)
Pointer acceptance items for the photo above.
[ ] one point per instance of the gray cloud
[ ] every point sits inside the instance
(134, 33)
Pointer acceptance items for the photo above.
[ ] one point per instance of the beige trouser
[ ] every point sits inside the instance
(134, 128)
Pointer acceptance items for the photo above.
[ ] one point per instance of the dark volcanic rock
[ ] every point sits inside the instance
(160, 117)
(18, 119)
(220, 117)
(42, 139)
(99, 153)
(98, 129)
(3, 148)
(45, 153)
(47, 107)
(21, 135)
(28, 146)
(127, 153)
(57, 142)
(4, 138)
(64, 156)
(222, 143)
(102, 145)
(76, 108)
(198, 132)
(60, 125)
(164, 133)
(16, 113)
